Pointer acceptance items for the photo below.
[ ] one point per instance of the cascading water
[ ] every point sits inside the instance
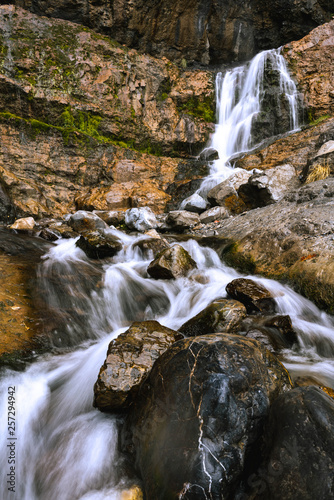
(240, 93)
(65, 449)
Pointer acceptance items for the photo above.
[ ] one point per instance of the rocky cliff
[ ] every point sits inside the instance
(196, 31)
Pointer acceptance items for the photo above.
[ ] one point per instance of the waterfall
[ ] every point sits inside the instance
(240, 96)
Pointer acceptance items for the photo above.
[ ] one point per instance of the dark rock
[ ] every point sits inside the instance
(7, 211)
(197, 419)
(276, 332)
(111, 217)
(255, 297)
(299, 444)
(99, 244)
(129, 360)
(222, 315)
(171, 263)
(209, 154)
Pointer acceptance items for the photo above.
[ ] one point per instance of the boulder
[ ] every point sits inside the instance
(150, 246)
(140, 219)
(99, 244)
(222, 315)
(214, 213)
(196, 423)
(171, 263)
(276, 332)
(270, 186)
(254, 296)
(83, 221)
(111, 217)
(209, 154)
(195, 203)
(298, 448)
(25, 224)
(180, 220)
(220, 194)
(129, 360)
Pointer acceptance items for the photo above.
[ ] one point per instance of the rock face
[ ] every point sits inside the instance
(198, 418)
(299, 448)
(171, 263)
(80, 117)
(296, 248)
(129, 360)
(198, 31)
(220, 316)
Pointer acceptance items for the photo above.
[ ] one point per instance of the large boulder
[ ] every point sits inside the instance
(171, 263)
(298, 447)
(254, 296)
(195, 203)
(276, 332)
(214, 213)
(196, 423)
(129, 360)
(223, 193)
(269, 186)
(222, 315)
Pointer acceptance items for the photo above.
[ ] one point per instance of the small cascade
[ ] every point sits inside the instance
(240, 95)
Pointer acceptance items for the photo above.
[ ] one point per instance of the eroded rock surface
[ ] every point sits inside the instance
(129, 360)
(198, 417)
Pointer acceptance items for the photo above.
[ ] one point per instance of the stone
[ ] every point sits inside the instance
(204, 404)
(209, 154)
(111, 217)
(172, 263)
(129, 360)
(150, 247)
(180, 220)
(276, 332)
(220, 193)
(99, 244)
(83, 221)
(269, 186)
(298, 448)
(140, 219)
(214, 213)
(195, 203)
(222, 315)
(25, 224)
(325, 149)
(254, 296)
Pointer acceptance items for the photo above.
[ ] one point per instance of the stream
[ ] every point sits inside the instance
(67, 450)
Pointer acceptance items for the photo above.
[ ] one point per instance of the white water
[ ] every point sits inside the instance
(240, 93)
(65, 449)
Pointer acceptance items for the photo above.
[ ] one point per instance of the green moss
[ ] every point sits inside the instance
(203, 109)
(315, 121)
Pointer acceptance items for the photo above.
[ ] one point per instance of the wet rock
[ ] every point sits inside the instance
(25, 224)
(83, 221)
(220, 194)
(195, 203)
(222, 315)
(151, 246)
(140, 219)
(209, 154)
(171, 263)
(129, 360)
(111, 217)
(214, 213)
(204, 404)
(255, 297)
(299, 446)
(7, 211)
(99, 244)
(263, 188)
(180, 220)
(275, 332)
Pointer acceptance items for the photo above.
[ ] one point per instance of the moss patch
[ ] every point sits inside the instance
(200, 108)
